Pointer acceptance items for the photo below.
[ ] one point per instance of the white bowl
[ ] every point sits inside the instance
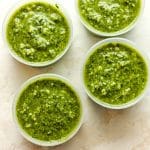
(143, 55)
(37, 64)
(106, 34)
(24, 133)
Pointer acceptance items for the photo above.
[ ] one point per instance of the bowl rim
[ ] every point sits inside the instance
(13, 9)
(112, 34)
(139, 51)
(24, 133)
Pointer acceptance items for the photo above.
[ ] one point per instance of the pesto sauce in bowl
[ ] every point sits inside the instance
(47, 110)
(115, 73)
(38, 32)
(109, 17)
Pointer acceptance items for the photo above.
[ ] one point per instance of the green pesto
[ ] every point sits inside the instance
(48, 109)
(115, 73)
(38, 32)
(109, 15)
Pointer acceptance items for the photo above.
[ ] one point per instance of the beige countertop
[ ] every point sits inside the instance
(103, 129)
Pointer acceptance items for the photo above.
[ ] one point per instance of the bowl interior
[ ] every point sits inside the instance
(23, 132)
(143, 55)
(112, 34)
(37, 64)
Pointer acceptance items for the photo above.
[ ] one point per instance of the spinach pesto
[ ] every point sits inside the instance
(48, 109)
(115, 73)
(38, 32)
(109, 15)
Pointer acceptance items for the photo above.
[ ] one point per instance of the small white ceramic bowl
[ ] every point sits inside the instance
(37, 64)
(23, 132)
(106, 34)
(143, 55)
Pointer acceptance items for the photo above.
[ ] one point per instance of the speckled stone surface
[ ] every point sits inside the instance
(102, 129)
